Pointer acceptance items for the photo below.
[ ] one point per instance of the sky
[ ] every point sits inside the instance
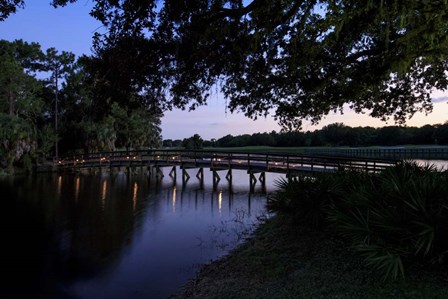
(71, 28)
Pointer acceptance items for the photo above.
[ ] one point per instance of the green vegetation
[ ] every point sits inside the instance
(338, 135)
(296, 59)
(394, 219)
(68, 109)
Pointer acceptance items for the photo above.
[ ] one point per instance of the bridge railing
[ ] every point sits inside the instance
(276, 162)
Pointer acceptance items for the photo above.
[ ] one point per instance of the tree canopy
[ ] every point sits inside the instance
(297, 59)
(48, 97)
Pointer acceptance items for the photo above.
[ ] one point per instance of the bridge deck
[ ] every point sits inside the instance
(252, 162)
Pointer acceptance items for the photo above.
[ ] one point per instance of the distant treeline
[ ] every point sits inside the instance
(336, 134)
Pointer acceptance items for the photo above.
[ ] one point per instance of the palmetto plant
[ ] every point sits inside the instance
(305, 199)
(393, 218)
(397, 217)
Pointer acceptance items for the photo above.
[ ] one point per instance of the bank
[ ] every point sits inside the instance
(282, 260)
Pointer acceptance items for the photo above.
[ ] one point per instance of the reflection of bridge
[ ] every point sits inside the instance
(253, 163)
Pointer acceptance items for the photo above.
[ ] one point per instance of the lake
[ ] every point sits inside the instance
(119, 236)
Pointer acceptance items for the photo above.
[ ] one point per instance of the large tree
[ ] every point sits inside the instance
(299, 59)
(59, 66)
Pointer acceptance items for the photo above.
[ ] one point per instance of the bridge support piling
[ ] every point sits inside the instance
(262, 180)
(159, 173)
(185, 176)
(229, 175)
(216, 179)
(200, 176)
(252, 181)
(173, 173)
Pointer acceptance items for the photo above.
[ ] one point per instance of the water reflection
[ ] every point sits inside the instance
(77, 180)
(101, 236)
(439, 164)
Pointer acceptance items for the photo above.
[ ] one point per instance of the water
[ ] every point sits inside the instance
(439, 164)
(114, 236)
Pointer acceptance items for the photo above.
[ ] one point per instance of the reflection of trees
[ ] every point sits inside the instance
(71, 234)
(100, 224)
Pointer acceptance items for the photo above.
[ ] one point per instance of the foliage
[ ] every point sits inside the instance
(340, 135)
(8, 7)
(17, 137)
(393, 219)
(66, 105)
(397, 217)
(194, 142)
(302, 59)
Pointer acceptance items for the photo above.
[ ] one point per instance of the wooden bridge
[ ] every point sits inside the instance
(253, 163)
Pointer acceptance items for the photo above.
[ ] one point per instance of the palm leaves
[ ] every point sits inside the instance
(393, 219)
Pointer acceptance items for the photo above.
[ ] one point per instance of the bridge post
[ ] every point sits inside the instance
(252, 181)
(173, 173)
(216, 179)
(262, 180)
(229, 175)
(185, 176)
(159, 173)
(200, 176)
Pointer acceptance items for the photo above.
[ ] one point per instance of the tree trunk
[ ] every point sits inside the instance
(56, 112)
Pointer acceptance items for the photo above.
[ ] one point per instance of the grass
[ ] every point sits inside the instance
(285, 261)
(301, 149)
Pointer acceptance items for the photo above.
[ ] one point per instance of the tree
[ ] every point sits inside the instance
(18, 86)
(441, 134)
(21, 105)
(303, 59)
(334, 134)
(193, 143)
(59, 65)
(8, 7)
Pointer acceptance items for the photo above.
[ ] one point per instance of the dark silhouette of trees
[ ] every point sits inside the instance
(300, 59)
(195, 142)
(8, 7)
(338, 134)
(65, 105)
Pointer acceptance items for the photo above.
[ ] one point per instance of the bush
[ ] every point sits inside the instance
(306, 200)
(393, 219)
(398, 217)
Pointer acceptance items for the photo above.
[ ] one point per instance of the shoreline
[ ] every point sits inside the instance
(281, 260)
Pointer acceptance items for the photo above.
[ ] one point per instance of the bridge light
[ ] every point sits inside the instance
(77, 160)
(60, 162)
(135, 158)
(127, 157)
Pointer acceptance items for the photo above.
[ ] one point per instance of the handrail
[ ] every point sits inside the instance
(285, 162)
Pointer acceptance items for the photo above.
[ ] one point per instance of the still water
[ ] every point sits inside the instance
(118, 236)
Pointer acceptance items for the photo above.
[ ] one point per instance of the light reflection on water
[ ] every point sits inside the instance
(439, 164)
(119, 236)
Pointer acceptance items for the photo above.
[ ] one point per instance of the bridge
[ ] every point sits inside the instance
(290, 164)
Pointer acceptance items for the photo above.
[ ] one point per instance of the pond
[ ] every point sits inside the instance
(119, 236)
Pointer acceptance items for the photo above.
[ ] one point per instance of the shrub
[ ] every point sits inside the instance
(305, 199)
(394, 218)
(397, 217)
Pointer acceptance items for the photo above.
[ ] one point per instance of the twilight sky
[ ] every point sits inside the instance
(71, 28)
